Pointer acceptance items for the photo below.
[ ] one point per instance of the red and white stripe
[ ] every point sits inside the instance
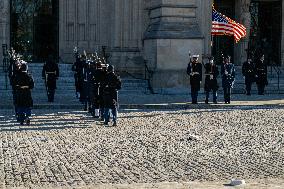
(231, 28)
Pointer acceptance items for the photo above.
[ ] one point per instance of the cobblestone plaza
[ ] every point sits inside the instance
(162, 140)
(64, 148)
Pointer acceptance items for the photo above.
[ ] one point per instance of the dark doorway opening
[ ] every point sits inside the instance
(34, 28)
(224, 45)
(266, 28)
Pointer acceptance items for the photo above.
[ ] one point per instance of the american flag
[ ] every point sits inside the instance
(222, 25)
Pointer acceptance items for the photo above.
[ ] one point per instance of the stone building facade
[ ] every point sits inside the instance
(156, 33)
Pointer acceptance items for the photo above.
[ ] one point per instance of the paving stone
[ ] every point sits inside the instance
(148, 146)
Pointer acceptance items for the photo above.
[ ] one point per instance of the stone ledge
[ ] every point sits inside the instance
(172, 30)
(170, 6)
(270, 184)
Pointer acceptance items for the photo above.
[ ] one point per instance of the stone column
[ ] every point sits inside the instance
(4, 25)
(244, 18)
(173, 31)
(282, 40)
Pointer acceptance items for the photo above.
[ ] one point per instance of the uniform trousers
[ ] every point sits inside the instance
(227, 94)
(214, 93)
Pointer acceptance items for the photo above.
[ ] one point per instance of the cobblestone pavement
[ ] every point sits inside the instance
(69, 148)
(140, 99)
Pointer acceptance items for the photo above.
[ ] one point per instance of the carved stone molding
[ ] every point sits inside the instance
(245, 4)
(244, 12)
(4, 10)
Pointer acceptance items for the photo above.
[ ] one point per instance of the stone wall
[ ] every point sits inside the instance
(83, 23)
(4, 25)
(175, 28)
(282, 41)
(117, 24)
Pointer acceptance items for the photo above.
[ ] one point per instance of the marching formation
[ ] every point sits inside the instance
(97, 84)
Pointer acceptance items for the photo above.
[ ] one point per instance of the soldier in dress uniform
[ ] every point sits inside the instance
(248, 71)
(23, 83)
(81, 77)
(14, 64)
(91, 87)
(112, 85)
(77, 68)
(211, 83)
(14, 72)
(87, 82)
(194, 70)
(228, 78)
(104, 73)
(98, 81)
(50, 74)
(261, 75)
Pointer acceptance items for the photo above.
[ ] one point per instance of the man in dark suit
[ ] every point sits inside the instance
(261, 75)
(248, 71)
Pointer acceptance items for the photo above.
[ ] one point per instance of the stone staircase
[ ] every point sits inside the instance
(131, 88)
(272, 88)
(65, 93)
(134, 86)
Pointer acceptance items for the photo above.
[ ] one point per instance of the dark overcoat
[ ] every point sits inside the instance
(261, 72)
(23, 83)
(211, 83)
(112, 85)
(194, 70)
(229, 78)
(50, 73)
(248, 71)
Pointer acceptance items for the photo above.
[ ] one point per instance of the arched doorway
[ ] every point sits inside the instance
(224, 45)
(34, 28)
(266, 26)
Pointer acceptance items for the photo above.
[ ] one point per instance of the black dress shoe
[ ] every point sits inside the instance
(28, 121)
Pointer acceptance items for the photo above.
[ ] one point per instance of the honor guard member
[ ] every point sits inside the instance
(228, 78)
(81, 77)
(16, 71)
(101, 90)
(50, 74)
(87, 80)
(98, 80)
(211, 83)
(194, 70)
(77, 69)
(261, 75)
(248, 71)
(23, 83)
(112, 85)
(13, 66)
(92, 87)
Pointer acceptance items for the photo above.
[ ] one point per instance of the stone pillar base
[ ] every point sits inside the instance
(168, 60)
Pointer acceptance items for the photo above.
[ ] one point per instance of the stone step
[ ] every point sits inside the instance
(130, 84)
(129, 80)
